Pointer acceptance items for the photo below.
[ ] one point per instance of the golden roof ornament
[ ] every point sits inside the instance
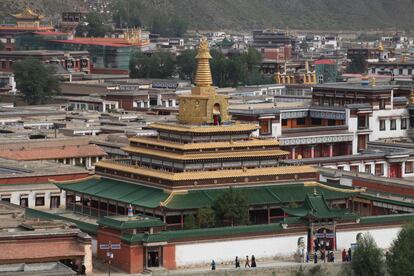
(203, 74)
(411, 98)
(27, 14)
(381, 47)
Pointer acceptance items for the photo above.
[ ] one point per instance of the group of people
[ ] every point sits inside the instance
(347, 256)
(325, 256)
(248, 262)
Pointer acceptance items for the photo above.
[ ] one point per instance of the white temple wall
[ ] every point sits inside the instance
(227, 250)
(383, 237)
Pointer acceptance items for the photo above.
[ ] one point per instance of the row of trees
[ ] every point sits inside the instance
(239, 69)
(231, 208)
(368, 259)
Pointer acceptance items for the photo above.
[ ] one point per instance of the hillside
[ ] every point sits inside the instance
(250, 14)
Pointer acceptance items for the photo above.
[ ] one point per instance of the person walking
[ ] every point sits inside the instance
(349, 254)
(247, 263)
(253, 261)
(315, 258)
(344, 255)
(213, 265)
(237, 262)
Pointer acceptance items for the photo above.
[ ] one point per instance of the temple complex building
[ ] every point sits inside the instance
(26, 21)
(142, 201)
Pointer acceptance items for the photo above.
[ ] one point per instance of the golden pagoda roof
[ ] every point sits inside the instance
(203, 73)
(210, 145)
(202, 155)
(27, 14)
(200, 175)
(204, 129)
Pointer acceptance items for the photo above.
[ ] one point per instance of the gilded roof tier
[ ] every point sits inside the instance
(207, 145)
(200, 175)
(205, 129)
(27, 14)
(202, 155)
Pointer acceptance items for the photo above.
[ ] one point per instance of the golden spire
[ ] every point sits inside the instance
(203, 74)
(381, 47)
(411, 98)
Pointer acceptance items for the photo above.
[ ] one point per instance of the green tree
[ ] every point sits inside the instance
(401, 254)
(168, 26)
(177, 26)
(37, 82)
(232, 208)
(186, 65)
(158, 65)
(94, 26)
(190, 222)
(206, 217)
(367, 259)
(357, 65)
(127, 13)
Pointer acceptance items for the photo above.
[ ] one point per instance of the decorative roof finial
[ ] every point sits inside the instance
(203, 74)
(381, 47)
(411, 98)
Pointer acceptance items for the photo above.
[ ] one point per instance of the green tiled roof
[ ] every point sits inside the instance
(388, 218)
(201, 233)
(315, 206)
(275, 194)
(148, 197)
(83, 226)
(124, 222)
(121, 191)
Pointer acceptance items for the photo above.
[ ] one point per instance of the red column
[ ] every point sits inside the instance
(330, 150)
(313, 152)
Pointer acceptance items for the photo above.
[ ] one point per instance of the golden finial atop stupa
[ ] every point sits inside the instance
(380, 46)
(203, 74)
(411, 98)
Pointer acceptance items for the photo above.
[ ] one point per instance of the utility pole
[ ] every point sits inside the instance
(110, 256)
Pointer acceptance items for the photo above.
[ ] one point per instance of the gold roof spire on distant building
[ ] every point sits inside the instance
(203, 74)
(27, 14)
(380, 46)
(411, 98)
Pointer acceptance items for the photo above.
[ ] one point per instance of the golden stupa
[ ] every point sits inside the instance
(203, 106)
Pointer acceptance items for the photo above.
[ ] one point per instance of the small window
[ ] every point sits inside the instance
(5, 199)
(354, 168)
(40, 201)
(379, 169)
(400, 71)
(393, 124)
(367, 168)
(382, 125)
(24, 202)
(409, 166)
(362, 122)
(300, 121)
(410, 71)
(284, 122)
(404, 123)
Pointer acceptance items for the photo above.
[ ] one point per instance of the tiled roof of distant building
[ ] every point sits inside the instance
(52, 153)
